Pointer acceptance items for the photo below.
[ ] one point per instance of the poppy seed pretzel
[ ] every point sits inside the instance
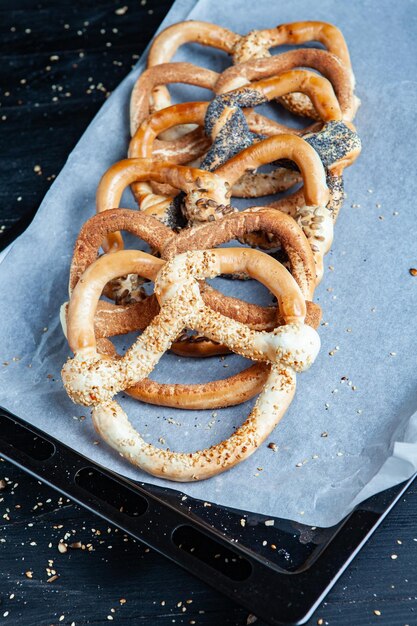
(230, 130)
(93, 381)
(254, 45)
(226, 124)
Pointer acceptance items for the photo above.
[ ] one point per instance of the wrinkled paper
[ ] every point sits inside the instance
(352, 428)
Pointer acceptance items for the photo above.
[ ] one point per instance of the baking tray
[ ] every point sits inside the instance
(279, 570)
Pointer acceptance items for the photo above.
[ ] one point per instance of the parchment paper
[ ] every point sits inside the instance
(353, 423)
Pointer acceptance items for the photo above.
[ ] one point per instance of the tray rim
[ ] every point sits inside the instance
(277, 597)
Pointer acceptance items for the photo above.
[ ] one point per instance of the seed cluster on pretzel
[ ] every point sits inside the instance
(186, 164)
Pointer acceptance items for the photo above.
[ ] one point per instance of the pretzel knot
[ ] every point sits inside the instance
(93, 380)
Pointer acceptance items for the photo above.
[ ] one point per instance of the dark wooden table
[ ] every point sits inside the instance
(60, 60)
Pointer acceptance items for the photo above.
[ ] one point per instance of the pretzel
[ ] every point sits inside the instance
(93, 381)
(254, 45)
(337, 144)
(189, 147)
(185, 149)
(207, 193)
(168, 244)
(143, 142)
(113, 320)
(227, 126)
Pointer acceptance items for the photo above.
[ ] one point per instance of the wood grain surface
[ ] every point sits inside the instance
(59, 62)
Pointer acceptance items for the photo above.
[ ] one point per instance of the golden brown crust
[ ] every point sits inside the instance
(216, 394)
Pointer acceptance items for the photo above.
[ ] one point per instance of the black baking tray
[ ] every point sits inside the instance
(280, 571)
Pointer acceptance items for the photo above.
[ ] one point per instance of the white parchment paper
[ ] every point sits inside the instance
(352, 428)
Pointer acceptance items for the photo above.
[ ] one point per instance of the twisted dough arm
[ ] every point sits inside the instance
(216, 394)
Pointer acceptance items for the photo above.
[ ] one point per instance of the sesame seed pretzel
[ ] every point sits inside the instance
(242, 48)
(112, 320)
(93, 381)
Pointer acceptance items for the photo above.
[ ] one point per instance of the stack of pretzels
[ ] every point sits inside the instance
(185, 165)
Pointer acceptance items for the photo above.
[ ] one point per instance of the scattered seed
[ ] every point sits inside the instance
(52, 578)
